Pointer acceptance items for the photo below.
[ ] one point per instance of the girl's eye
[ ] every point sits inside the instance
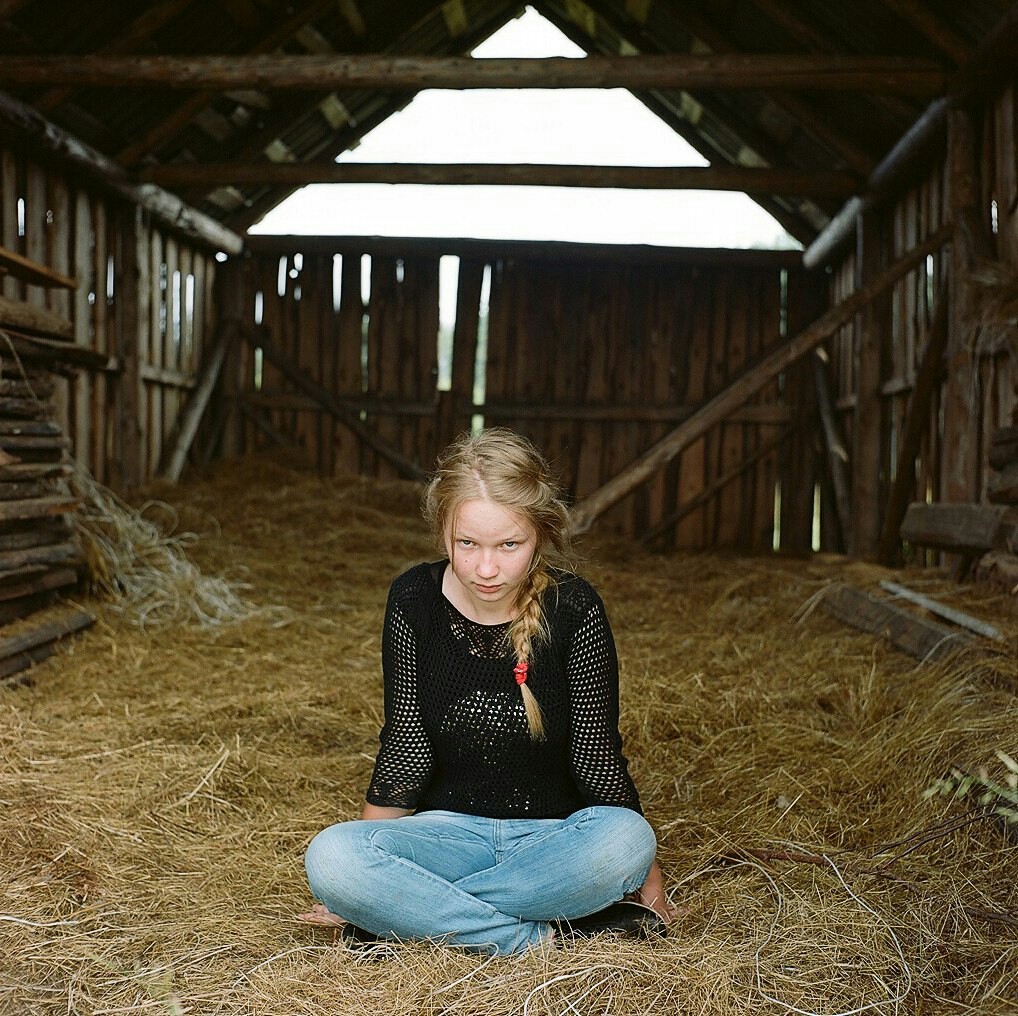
(510, 545)
(466, 543)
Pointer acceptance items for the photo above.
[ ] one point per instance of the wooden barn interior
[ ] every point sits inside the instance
(852, 403)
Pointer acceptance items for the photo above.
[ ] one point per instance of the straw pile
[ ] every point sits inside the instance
(159, 787)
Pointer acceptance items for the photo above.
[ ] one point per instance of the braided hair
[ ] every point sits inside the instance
(500, 465)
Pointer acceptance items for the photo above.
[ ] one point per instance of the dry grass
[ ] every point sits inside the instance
(159, 787)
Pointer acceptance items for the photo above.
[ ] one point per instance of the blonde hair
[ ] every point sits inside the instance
(500, 465)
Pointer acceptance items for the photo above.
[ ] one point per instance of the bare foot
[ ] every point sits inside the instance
(320, 914)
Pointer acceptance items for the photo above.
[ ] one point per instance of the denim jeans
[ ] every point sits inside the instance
(491, 885)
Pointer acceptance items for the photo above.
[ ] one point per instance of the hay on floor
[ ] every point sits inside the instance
(159, 787)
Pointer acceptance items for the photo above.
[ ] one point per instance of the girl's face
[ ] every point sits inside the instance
(490, 550)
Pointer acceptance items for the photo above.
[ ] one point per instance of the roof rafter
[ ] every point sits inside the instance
(184, 113)
(920, 17)
(140, 30)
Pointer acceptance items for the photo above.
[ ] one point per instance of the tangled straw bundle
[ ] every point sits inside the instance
(159, 788)
(144, 569)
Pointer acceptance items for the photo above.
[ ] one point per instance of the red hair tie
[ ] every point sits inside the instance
(520, 670)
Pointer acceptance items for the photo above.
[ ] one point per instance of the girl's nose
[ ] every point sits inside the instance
(487, 566)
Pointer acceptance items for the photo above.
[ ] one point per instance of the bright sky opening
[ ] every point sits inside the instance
(571, 126)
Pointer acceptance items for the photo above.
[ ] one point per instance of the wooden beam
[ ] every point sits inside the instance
(885, 75)
(915, 635)
(913, 151)
(960, 528)
(32, 272)
(555, 251)
(747, 384)
(720, 178)
(345, 415)
(917, 420)
(19, 121)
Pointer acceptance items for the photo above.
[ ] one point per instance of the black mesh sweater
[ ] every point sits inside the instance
(455, 736)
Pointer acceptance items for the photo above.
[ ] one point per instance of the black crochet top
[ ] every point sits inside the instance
(455, 736)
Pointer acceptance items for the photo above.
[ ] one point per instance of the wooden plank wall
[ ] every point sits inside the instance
(593, 356)
(46, 216)
(991, 398)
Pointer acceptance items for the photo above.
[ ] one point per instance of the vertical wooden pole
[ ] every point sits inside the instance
(867, 429)
(960, 473)
(133, 299)
(464, 348)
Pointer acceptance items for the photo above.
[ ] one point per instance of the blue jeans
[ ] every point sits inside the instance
(491, 885)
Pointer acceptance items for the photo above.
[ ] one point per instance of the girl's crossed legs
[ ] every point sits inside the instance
(486, 884)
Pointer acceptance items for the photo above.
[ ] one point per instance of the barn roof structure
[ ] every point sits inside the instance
(231, 104)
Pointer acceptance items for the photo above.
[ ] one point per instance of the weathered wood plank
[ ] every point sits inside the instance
(58, 554)
(67, 624)
(37, 508)
(924, 639)
(962, 528)
(39, 583)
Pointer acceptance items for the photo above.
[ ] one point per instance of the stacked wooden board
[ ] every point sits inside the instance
(39, 554)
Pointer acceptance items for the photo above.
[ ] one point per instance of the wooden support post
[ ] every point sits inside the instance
(917, 418)
(867, 426)
(191, 417)
(338, 409)
(961, 466)
(745, 385)
(133, 307)
(834, 441)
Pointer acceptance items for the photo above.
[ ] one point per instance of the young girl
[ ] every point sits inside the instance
(501, 811)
